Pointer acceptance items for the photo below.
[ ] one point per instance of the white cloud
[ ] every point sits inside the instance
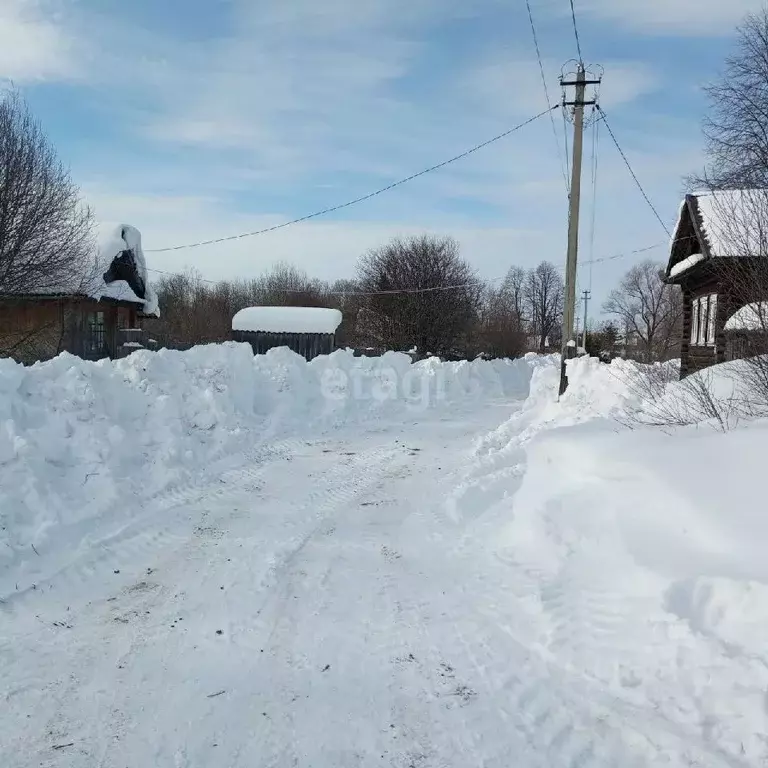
(673, 17)
(33, 44)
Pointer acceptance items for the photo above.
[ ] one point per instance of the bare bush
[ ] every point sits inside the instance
(663, 401)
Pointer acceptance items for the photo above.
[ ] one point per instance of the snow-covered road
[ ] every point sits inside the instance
(416, 592)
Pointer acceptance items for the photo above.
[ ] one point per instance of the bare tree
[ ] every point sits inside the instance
(400, 314)
(287, 285)
(736, 128)
(500, 330)
(46, 234)
(542, 295)
(649, 309)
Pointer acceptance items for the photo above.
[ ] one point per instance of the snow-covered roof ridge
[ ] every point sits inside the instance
(751, 317)
(731, 221)
(287, 320)
(113, 242)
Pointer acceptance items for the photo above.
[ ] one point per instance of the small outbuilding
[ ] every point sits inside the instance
(308, 331)
(719, 248)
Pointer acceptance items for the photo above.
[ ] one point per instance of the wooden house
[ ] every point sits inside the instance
(717, 243)
(92, 317)
(308, 331)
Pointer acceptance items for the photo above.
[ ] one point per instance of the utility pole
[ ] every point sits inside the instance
(568, 348)
(587, 295)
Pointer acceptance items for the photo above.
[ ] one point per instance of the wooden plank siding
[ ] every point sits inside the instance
(309, 345)
(34, 329)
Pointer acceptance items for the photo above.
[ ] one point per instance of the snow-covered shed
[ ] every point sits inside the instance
(90, 314)
(719, 241)
(308, 331)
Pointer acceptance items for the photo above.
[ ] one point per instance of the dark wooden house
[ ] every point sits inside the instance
(96, 318)
(717, 243)
(308, 331)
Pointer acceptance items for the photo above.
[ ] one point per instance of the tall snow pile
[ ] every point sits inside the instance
(84, 445)
(640, 552)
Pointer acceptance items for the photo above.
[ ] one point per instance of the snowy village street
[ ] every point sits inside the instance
(412, 591)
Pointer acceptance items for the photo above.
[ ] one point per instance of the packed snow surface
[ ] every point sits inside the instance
(215, 559)
(287, 320)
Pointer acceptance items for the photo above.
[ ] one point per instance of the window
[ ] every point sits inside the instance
(695, 322)
(95, 337)
(704, 320)
(712, 317)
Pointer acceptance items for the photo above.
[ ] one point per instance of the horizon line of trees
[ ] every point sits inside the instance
(522, 313)
(383, 305)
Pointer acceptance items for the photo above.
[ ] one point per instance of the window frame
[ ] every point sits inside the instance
(695, 307)
(704, 320)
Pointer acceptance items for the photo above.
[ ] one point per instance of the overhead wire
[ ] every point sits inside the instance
(361, 199)
(601, 260)
(576, 32)
(563, 168)
(632, 172)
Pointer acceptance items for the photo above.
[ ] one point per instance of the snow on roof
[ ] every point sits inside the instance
(733, 221)
(113, 240)
(752, 317)
(686, 264)
(287, 320)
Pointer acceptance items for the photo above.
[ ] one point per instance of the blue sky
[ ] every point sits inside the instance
(193, 119)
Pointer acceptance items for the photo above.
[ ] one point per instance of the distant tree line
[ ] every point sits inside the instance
(385, 305)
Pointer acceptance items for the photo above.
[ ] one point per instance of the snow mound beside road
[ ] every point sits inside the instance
(84, 445)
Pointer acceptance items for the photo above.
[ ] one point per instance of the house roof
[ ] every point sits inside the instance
(118, 273)
(719, 224)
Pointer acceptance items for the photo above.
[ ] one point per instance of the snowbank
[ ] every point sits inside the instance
(84, 446)
(639, 553)
(287, 320)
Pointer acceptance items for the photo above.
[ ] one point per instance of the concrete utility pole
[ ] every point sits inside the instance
(587, 295)
(569, 343)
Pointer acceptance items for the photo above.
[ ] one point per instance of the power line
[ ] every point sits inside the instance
(358, 199)
(601, 260)
(634, 175)
(576, 31)
(546, 96)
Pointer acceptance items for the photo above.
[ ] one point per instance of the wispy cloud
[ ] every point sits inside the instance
(34, 46)
(673, 17)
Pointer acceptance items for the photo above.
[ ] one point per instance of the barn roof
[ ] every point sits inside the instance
(719, 224)
(287, 320)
